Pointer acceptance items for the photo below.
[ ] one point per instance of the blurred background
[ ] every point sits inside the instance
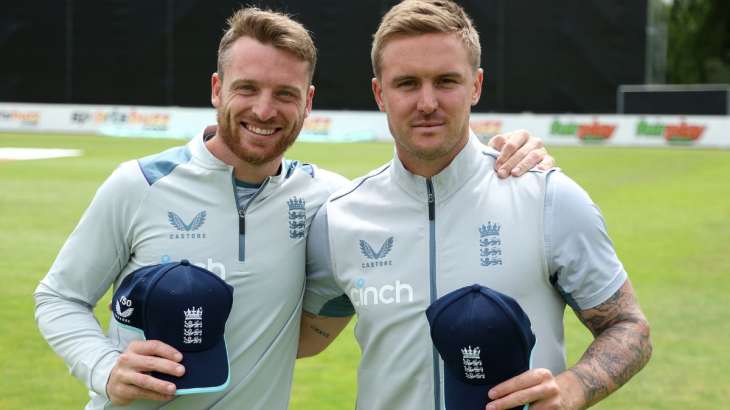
(631, 96)
(552, 56)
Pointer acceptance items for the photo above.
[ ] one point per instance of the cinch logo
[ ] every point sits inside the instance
(213, 266)
(594, 131)
(398, 292)
(680, 133)
(176, 221)
(370, 253)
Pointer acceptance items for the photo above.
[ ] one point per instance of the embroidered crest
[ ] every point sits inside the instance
(297, 217)
(490, 244)
(473, 368)
(193, 332)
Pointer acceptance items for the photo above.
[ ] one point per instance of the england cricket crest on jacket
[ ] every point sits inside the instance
(297, 217)
(490, 244)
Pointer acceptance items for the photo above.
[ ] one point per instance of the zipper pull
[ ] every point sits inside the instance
(241, 222)
(431, 200)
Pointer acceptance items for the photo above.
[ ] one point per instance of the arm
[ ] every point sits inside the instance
(620, 349)
(519, 152)
(318, 332)
(585, 269)
(326, 309)
(86, 267)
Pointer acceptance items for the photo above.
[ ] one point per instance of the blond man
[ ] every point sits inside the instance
(437, 218)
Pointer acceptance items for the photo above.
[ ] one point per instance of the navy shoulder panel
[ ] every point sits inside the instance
(338, 307)
(159, 165)
(362, 181)
(291, 165)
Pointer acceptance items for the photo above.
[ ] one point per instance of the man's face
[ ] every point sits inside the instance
(262, 100)
(427, 87)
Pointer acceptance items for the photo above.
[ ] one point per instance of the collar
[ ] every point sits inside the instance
(206, 159)
(467, 163)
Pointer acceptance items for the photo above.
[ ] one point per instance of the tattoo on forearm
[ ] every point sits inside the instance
(320, 332)
(622, 345)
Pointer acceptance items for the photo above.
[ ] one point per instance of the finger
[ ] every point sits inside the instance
(128, 393)
(537, 396)
(519, 160)
(497, 142)
(155, 348)
(547, 162)
(514, 140)
(124, 377)
(141, 363)
(148, 383)
(531, 159)
(522, 381)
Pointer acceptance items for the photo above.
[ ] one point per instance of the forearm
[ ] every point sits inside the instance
(318, 332)
(73, 332)
(618, 352)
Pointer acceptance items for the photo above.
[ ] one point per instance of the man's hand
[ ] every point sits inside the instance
(536, 386)
(129, 380)
(519, 151)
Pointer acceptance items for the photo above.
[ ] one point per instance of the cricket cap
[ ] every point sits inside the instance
(186, 307)
(484, 338)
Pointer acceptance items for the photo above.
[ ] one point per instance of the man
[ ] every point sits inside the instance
(227, 201)
(436, 218)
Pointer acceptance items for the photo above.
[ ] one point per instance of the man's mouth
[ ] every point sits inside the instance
(426, 124)
(259, 130)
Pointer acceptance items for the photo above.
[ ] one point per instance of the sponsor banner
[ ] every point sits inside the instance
(349, 126)
(617, 130)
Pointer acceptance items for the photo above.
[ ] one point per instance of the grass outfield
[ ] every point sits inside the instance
(667, 210)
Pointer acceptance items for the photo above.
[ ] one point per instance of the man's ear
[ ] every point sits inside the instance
(310, 98)
(477, 91)
(378, 93)
(216, 83)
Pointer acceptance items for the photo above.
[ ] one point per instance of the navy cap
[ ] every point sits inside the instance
(484, 338)
(186, 307)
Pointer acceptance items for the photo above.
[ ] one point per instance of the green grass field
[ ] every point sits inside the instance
(667, 210)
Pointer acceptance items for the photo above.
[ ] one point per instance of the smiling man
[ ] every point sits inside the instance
(227, 201)
(437, 218)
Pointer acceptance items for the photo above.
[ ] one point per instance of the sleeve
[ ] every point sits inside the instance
(581, 259)
(85, 268)
(322, 295)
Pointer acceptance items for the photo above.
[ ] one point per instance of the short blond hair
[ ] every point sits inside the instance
(268, 27)
(415, 17)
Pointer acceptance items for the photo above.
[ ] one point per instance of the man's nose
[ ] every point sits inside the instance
(427, 101)
(264, 108)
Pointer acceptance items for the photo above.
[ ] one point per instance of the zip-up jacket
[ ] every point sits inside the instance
(392, 242)
(182, 204)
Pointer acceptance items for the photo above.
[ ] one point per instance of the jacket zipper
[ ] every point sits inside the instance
(242, 217)
(434, 293)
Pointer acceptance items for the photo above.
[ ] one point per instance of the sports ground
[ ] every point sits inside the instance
(667, 211)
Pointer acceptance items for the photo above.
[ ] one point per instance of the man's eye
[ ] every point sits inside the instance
(246, 88)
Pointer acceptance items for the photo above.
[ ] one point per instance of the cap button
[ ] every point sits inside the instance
(185, 262)
(475, 287)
